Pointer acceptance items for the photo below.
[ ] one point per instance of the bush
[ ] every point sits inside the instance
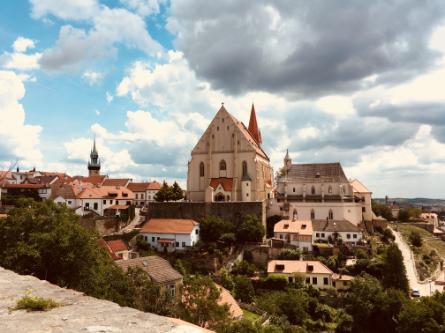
(250, 230)
(415, 239)
(289, 254)
(243, 289)
(35, 303)
(274, 282)
(244, 268)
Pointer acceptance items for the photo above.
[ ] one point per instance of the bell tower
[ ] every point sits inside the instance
(94, 163)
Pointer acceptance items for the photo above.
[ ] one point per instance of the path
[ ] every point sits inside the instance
(408, 260)
(130, 226)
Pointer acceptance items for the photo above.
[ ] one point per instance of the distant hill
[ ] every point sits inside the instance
(417, 202)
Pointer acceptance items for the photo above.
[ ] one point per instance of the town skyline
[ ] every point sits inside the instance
(148, 88)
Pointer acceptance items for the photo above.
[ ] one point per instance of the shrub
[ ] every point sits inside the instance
(244, 268)
(35, 303)
(415, 239)
(289, 254)
(274, 282)
(243, 288)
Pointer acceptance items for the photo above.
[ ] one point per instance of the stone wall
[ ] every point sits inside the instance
(76, 313)
(233, 211)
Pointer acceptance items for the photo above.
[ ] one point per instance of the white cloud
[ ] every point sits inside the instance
(144, 7)
(92, 77)
(18, 140)
(65, 9)
(338, 106)
(18, 59)
(109, 97)
(308, 133)
(110, 27)
(21, 44)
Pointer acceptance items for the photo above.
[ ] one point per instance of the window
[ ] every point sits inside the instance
(159, 238)
(153, 239)
(308, 280)
(330, 189)
(177, 244)
(348, 236)
(331, 214)
(105, 201)
(314, 280)
(322, 234)
(363, 209)
(295, 215)
(244, 168)
(354, 236)
(325, 281)
(217, 128)
(201, 169)
(313, 190)
(111, 202)
(87, 205)
(128, 203)
(142, 195)
(290, 279)
(117, 202)
(197, 231)
(69, 202)
(317, 234)
(222, 165)
(293, 189)
(137, 196)
(95, 206)
(312, 214)
(183, 244)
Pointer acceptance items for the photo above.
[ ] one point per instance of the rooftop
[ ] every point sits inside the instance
(334, 226)
(332, 172)
(297, 266)
(169, 226)
(302, 227)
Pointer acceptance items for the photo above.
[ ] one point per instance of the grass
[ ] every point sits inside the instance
(428, 255)
(253, 317)
(35, 303)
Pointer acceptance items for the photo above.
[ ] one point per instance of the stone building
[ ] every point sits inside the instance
(228, 162)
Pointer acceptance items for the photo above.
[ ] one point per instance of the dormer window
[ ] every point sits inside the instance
(279, 268)
(310, 268)
(303, 226)
(286, 226)
(222, 165)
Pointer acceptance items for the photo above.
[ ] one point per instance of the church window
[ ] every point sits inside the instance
(201, 169)
(213, 136)
(217, 128)
(244, 168)
(295, 214)
(313, 190)
(293, 189)
(331, 214)
(222, 165)
(222, 120)
(330, 189)
(312, 214)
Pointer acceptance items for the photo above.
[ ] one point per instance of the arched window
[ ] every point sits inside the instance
(312, 214)
(295, 215)
(244, 168)
(331, 214)
(313, 190)
(330, 189)
(201, 169)
(222, 165)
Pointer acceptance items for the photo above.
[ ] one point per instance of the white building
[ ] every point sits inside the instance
(144, 192)
(294, 232)
(430, 218)
(318, 191)
(329, 230)
(314, 273)
(170, 234)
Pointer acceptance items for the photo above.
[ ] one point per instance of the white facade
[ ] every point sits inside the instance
(171, 241)
(347, 236)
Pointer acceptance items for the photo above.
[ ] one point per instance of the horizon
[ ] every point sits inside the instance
(145, 78)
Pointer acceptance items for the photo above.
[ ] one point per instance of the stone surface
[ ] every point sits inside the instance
(78, 313)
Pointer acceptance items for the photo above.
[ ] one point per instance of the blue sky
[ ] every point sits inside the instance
(338, 81)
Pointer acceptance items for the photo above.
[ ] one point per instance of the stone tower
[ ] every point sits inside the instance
(94, 163)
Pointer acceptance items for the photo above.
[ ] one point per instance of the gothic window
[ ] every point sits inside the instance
(295, 215)
(222, 165)
(244, 168)
(331, 214)
(330, 189)
(313, 190)
(312, 214)
(201, 169)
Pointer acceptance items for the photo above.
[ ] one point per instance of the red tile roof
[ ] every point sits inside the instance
(95, 180)
(253, 127)
(108, 192)
(226, 183)
(117, 245)
(116, 182)
(169, 226)
(157, 268)
(138, 187)
(25, 186)
(105, 245)
(154, 185)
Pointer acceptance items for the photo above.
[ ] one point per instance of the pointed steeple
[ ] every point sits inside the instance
(94, 163)
(253, 127)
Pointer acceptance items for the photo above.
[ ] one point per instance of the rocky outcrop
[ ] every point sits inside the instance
(77, 313)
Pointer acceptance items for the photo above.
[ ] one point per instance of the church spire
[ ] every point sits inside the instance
(94, 163)
(253, 127)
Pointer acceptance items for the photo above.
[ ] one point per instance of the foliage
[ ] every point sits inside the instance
(226, 280)
(394, 270)
(289, 254)
(404, 215)
(243, 288)
(273, 282)
(164, 193)
(176, 192)
(213, 227)
(382, 210)
(415, 239)
(387, 235)
(270, 224)
(250, 230)
(35, 303)
(143, 248)
(244, 268)
(199, 304)
(45, 240)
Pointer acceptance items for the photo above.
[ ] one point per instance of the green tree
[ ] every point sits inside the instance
(244, 268)
(213, 227)
(382, 210)
(415, 239)
(199, 303)
(394, 272)
(176, 191)
(250, 230)
(45, 240)
(164, 193)
(243, 289)
(289, 254)
(404, 215)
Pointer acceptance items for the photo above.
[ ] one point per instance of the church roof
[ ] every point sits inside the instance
(358, 186)
(226, 183)
(333, 171)
(253, 127)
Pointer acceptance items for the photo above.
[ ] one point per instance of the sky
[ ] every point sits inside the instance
(356, 82)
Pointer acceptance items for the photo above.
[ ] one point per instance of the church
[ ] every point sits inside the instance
(228, 163)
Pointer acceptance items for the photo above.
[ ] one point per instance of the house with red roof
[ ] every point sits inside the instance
(144, 192)
(116, 248)
(170, 234)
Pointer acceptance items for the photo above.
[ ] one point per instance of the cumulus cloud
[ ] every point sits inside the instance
(21, 44)
(92, 77)
(65, 9)
(76, 46)
(18, 59)
(144, 7)
(305, 48)
(18, 140)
